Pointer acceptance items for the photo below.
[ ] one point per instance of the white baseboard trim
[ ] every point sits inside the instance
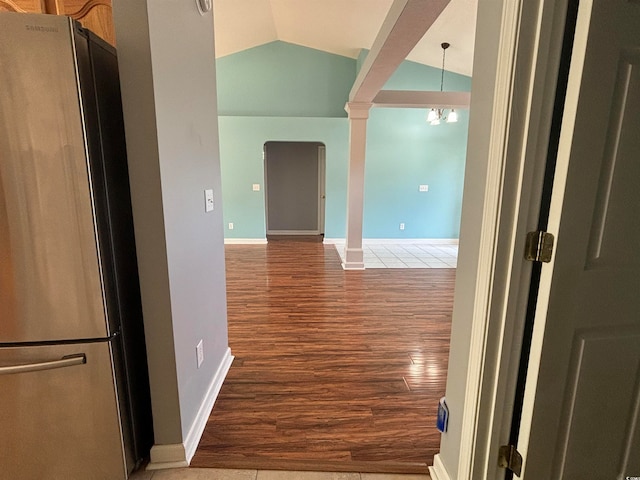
(167, 456)
(245, 241)
(352, 259)
(200, 422)
(397, 241)
(293, 232)
(180, 454)
(438, 471)
(353, 266)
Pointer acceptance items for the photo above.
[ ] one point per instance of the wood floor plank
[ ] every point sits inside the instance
(334, 370)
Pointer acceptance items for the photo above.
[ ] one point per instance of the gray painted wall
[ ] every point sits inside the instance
(167, 69)
(291, 171)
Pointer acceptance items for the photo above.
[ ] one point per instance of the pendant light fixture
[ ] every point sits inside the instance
(436, 115)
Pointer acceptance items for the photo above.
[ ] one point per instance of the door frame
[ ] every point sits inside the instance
(518, 47)
(322, 186)
(321, 158)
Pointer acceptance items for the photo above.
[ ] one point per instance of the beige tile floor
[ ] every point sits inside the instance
(227, 474)
(406, 255)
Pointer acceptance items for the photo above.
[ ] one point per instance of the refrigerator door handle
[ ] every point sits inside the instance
(66, 361)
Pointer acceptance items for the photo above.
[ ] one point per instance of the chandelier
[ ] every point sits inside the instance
(436, 115)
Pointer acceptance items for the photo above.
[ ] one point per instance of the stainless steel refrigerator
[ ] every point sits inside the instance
(74, 390)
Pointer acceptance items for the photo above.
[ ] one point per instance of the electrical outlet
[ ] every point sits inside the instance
(424, 188)
(402, 226)
(256, 187)
(230, 225)
(200, 353)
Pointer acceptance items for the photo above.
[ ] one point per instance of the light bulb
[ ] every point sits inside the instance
(433, 115)
(452, 117)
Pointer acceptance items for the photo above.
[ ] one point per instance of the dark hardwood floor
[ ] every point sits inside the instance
(333, 370)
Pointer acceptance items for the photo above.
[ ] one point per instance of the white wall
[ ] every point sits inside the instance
(167, 70)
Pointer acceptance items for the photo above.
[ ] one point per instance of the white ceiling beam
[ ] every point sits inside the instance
(421, 99)
(405, 24)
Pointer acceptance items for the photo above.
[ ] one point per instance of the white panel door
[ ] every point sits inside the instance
(581, 414)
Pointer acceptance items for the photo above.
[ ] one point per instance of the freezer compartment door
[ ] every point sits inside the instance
(59, 413)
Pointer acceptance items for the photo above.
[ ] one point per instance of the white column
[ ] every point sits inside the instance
(358, 115)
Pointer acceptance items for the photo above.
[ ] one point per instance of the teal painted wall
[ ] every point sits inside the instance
(415, 76)
(242, 166)
(301, 98)
(404, 152)
(281, 79)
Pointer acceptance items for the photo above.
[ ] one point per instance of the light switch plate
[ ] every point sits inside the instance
(208, 200)
(424, 188)
(256, 187)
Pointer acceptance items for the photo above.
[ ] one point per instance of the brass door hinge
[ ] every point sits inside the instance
(510, 458)
(539, 247)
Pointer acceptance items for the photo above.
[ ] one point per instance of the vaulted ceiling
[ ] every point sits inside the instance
(343, 27)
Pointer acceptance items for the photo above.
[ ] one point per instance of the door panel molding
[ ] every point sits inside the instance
(22, 6)
(604, 350)
(621, 249)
